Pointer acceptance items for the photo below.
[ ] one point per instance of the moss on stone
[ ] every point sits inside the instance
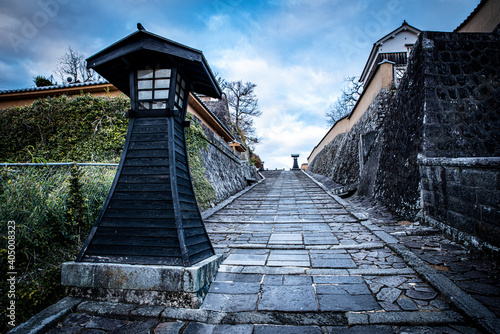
(196, 141)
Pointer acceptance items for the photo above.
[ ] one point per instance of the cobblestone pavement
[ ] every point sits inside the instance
(298, 260)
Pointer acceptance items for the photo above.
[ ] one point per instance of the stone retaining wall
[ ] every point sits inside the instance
(446, 108)
(459, 166)
(461, 196)
(339, 160)
(223, 168)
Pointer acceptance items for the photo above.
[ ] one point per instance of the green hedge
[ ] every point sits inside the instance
(82, 128)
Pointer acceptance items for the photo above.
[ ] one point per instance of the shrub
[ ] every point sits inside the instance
(46, 202)
(82, 128)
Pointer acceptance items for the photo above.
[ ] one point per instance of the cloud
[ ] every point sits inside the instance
(290, 136)
(297, 51)
(216, 22)
(293, 99)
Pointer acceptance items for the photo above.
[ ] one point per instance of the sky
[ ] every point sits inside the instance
(297, 52)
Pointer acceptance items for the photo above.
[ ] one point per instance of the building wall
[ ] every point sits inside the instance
(399, 42)
(382, 79)
(485, 19)
(396, 179)
(392, 45)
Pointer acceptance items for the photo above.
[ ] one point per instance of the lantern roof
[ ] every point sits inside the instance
(143, 48)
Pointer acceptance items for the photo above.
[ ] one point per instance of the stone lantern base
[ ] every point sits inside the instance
(172, 286)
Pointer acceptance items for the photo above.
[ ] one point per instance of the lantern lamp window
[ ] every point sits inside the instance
(152, 88)
(180, 92)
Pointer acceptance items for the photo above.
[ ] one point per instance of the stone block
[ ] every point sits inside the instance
(146, 312)
(140, 284)
(169, 327)
(464, 208)
(121, 276)
(338, 280)
(236, 288)
(460, 221)
(489, 214)
(201, 328)
(347, 303)
(105, 324)
(488, 232)
(299, 298)
(488, 197)
(137, 327)
(230, 302)
(203, 272)
(106, 309)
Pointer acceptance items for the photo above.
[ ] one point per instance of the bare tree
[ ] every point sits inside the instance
(346, 102)
(73, 68)
(244, 106)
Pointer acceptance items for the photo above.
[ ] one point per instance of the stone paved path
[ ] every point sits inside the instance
(297, 260)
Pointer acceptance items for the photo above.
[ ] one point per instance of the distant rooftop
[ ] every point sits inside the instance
(67, 85)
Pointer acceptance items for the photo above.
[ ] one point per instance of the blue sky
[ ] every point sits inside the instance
(298, 52)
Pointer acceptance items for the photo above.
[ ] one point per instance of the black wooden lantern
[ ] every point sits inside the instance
(295, 163)
(150, 215)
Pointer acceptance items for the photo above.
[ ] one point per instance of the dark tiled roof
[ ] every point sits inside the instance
(47, 88)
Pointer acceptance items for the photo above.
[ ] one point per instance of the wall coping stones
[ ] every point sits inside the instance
(460, 162)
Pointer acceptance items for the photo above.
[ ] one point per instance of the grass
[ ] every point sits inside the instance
(39, 200)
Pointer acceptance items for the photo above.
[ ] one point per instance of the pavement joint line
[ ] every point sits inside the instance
(464, 302)
(321, 318)
(380, 272)
(255, 214)
(210, 212)
(312, 247)
(273, 270)
(358, 246)
(315, 271)
(327, 272)
(404, 318)
(265, 222)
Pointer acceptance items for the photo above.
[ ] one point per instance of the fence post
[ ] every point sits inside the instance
(75, 213)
